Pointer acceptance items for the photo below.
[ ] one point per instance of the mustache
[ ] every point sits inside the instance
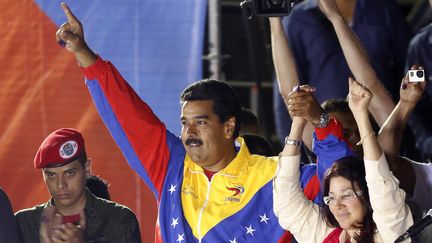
(193, 140)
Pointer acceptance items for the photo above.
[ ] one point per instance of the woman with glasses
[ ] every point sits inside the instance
(362, 200)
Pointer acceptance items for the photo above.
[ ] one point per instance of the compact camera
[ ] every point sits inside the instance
(416, 75)
(269, 8)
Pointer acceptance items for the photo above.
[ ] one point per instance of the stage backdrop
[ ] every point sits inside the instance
(156, 45)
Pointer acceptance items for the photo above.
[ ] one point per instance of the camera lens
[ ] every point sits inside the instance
(420, 74)
(276, 2)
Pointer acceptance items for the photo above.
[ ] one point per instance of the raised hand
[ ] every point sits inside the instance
(412, 92)
(329, 8)
(71, 33)
(71, 36)
(302, 104)
(359, 97)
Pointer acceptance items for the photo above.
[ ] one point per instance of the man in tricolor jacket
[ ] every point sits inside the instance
(208, 187)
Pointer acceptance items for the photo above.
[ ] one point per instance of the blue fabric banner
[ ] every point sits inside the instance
(156, 45)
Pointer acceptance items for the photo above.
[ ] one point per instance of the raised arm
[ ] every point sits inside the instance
(283, 60)
(391, 215)
(382, 104)
(295, 213)
(359, 99)
(285, 68)
(391, 132)
(141, 136)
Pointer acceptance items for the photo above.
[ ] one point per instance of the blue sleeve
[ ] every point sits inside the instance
(141, 136)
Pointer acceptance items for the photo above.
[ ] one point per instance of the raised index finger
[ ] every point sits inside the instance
(69, 15)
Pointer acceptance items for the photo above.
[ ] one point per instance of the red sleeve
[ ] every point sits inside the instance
(138, 132)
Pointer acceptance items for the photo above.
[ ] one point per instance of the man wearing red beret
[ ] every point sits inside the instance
(73, 214)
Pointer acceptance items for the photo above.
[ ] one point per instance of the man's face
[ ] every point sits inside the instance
(206, 140)
(66, 184)
(350, 129)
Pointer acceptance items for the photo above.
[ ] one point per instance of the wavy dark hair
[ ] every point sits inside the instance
(352, 169)
(225, 101)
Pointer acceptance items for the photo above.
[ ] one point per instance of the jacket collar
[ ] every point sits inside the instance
(237, 167)
(92, 215)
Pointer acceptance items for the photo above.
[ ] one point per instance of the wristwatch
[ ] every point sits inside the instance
(324, 120)
(293, 142)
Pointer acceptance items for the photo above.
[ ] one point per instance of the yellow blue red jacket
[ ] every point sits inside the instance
(236, 205)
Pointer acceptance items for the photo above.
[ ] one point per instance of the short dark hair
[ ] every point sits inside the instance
(249, 122)
(352, 169)
(342, 105)
(98, 187)
(225, 101)
(336, 105)
(258, 145)
(83, 159)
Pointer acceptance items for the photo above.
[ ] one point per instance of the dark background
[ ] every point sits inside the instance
(241, 51)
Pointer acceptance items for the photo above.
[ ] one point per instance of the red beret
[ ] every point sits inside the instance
(59, 148)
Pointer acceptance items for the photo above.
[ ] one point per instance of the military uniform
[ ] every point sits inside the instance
(106, 221)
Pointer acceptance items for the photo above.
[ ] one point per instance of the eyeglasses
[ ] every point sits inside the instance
(346, 197)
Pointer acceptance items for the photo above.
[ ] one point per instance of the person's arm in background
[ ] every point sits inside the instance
(382, 104)
(283, 60)
(390, 213)
(285, 67)
(391, 132)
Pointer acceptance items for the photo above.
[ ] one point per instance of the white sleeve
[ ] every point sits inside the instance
(391, 214)
(296, 213)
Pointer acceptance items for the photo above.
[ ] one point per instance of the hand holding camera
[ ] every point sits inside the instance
(413, 85)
